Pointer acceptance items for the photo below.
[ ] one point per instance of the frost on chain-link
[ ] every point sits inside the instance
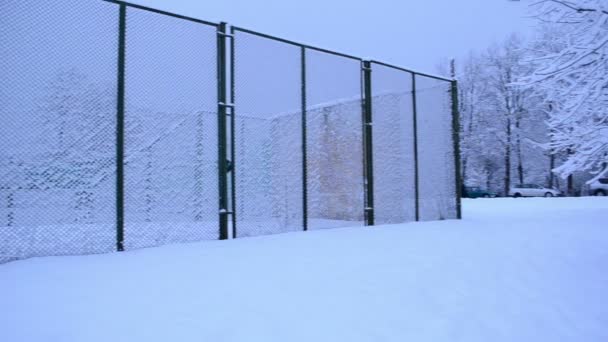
(171, 191)
(57, 137)
(334, 141)
(268, 138)
(393, 145)
(435, 149)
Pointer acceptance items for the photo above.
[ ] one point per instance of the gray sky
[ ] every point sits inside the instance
(410, 33)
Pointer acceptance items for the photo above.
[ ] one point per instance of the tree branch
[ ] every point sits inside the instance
(574, 8)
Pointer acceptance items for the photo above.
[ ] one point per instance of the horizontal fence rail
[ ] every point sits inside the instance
(127, 127)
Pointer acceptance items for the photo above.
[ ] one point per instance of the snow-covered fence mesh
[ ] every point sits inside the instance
(394, 154)
(268, 136)
(57, 131)
(438, 198)
(126, 127)
(334, 141)
(171, 136)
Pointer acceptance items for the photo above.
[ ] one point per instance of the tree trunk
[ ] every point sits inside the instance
(464, 171)
(551, 167)
(467, 135)
(507, 184)
(570, 179)
(520, 166)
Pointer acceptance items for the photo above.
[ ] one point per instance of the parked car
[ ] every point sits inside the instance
(477, 192)
(599, 187)
(533, 190)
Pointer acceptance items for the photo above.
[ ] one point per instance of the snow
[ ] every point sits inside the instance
(513, 270)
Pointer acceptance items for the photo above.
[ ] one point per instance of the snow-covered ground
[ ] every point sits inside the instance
(512, 270)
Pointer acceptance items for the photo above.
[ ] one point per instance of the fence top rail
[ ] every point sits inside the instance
(411, 71)
(244, 30)
(286, 41)
(170, 14)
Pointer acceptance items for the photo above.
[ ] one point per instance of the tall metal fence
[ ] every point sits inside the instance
(126, 127)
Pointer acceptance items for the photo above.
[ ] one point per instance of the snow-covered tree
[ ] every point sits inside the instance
(470, 97)
(504, 65)
(571, 70)
(503, 132)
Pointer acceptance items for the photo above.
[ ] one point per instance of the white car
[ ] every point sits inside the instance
(533, 190)
(599, 187)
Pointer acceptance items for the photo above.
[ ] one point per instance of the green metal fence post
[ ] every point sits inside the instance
(304, 156)
(456, 140)
(367, 136)
(232, 131)
(221, 124)
(120, 128)
(415, 121)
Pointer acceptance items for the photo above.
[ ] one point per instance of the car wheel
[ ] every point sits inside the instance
(486, 196)
(517, 195)
(548, 194)
(600, 193)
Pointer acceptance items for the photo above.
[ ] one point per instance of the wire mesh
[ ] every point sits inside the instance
(393, 145)
(268, 138)
(57, 167)
(171, 191)
(59, 156)
(435, 149)
(334, 122)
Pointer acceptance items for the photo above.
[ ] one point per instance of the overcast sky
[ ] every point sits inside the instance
(410, 33)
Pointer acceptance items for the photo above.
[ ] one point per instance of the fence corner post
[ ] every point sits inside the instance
(456, 139)
(368, 146)
(416, 167)
(304, 139)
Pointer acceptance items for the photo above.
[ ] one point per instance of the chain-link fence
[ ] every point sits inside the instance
(126, 127)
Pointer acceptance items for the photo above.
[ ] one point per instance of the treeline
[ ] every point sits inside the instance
(536, 110)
